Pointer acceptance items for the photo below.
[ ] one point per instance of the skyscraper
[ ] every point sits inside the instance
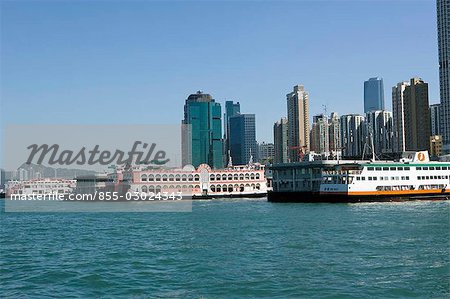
(320, 135)
(202, 133)
(298, 121)
(280, 136)
(243, 138)
(231, 109)
(417, 118)
(379, 125)
(398, 116)
(334, 129)
(443, 26)
(435, 119)
(373, 94)
(352, 135)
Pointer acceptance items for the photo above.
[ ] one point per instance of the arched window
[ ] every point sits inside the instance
(236, 177)
(190, 178)
(144, 189)
(258, 187)
(164, 177)
(151, 177)
(218, 177)
(171, 177)
(158, 189)
(218, 189)
(197, 178)
(197, 186)
(184, 178)
(212, 177)
(151, 189)
(158, 177)
(252, 176)
(144, 178)
(241, 187)
(230, 177)
(230, 188)
(257, 176)
(241, 177)
(247, 176)
(213, 188)
(177, 178)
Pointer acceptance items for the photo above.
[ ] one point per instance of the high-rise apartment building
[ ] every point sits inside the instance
(412, 125)
(417, 120)
(280, 136)
(243, 139)
(443, 26)
(398, 116)
(379, 129)
(319, 139)
(298, 122)
(373, 94)
(334, 132)
(266, 152)
(352, 135)
(435, 119)
(202, 131)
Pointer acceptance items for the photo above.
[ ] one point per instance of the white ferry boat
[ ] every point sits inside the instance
(202, 182)
(44, 186)
(413, 177)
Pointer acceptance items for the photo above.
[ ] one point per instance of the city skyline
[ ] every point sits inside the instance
(101, 65)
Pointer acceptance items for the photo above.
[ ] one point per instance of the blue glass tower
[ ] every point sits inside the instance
(373, 94)
(202, 137)
(243, 138)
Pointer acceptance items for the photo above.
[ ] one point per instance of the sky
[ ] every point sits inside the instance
(136, 62)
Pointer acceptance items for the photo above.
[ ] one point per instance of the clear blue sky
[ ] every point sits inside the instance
(136, 62)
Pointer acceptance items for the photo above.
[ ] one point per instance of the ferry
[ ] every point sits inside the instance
(202, 182)
(412, 177)
(42, 186)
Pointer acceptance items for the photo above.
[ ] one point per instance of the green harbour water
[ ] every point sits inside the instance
(231, 249)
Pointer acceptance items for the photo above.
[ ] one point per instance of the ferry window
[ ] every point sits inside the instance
(406, 168)
(444, 167)
(419, 178)
(431, 168)
(363, 178)
(407, 177)
(399, 168)
(377, 168)
(427, 177)
(381, 178)
(370, 168)
(357, 178)
(392, 168)
(385, 168)
(374, 178)
(370, 178)
(425, 168)
(438, 168)
(419, 168)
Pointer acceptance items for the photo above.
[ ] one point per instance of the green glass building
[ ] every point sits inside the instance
(202, 131)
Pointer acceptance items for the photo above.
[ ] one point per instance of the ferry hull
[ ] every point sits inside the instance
(315, 197)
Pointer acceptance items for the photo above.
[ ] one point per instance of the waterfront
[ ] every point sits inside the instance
(231, 249)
